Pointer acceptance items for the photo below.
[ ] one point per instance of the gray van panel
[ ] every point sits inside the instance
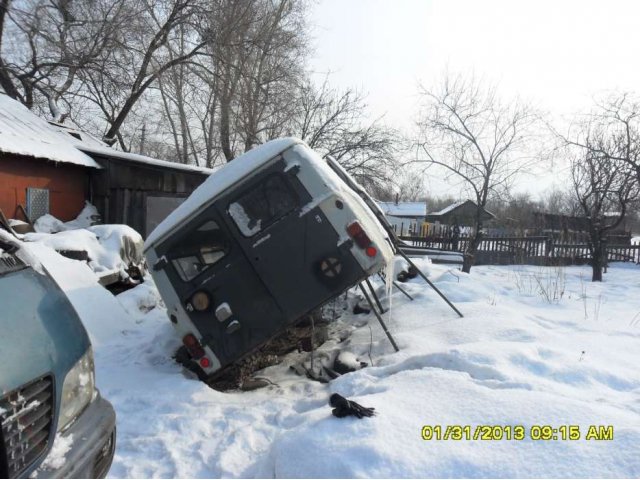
(36, 330)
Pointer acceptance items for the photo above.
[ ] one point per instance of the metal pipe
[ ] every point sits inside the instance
(384, 327)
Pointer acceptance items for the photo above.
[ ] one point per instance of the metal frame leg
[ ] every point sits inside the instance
(375, 297)
(402, 290)
(384, 327)
(404, 255)
(395, 284)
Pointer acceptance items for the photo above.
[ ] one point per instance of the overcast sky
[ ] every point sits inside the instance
(556, 54)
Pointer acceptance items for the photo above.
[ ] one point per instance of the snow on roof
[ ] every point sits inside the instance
(91, 145)
(220, 180)
(76, 136)
(24, 133)
(107, 151)
(404, 209)
(453, 206)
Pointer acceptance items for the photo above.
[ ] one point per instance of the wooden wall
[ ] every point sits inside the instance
(68, 185)
(120, 190)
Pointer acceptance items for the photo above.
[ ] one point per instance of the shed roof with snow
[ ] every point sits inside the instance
(93, 147)
(404, 209)
(24, 133)
(461, 213)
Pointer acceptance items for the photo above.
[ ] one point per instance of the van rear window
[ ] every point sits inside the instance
(198, 250)
(263, 205)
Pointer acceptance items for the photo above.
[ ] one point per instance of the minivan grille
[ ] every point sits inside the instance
(25, 415)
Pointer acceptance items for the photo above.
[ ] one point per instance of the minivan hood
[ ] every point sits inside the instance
(40, 332)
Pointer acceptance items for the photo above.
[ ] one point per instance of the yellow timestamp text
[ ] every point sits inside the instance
(517, 432)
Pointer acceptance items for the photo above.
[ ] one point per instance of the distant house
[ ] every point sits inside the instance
(565, 225)
(51, 168)
(405, 216)
(460, 213)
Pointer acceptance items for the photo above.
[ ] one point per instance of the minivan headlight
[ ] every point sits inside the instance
(77, 390)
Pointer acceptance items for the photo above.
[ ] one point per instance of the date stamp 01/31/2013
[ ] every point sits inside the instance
(517, 432)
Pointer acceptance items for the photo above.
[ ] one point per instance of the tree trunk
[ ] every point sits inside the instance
(598, 260)
(225, 128)
(597, 263)
(469, 257)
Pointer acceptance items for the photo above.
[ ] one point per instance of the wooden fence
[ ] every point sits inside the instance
(532, 250)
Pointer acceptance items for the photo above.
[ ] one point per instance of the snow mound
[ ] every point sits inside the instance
(514, 359)
(110, 248)
(50, 224)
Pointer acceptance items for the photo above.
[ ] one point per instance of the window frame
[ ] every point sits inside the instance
(197, 253)
(250, 189)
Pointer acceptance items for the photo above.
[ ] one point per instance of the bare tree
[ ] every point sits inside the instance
(561, 202)
(191, 80)
(616, 119)
(603, 184)
(144, 55)
(45, 44)
(331, 121)
(472, 136)
(241, 90)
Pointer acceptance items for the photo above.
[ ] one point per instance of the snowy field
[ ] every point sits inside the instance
(537, 346)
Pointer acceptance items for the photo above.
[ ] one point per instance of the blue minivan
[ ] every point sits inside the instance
(47, 380)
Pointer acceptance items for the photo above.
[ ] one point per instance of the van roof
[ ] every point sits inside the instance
(220, 180)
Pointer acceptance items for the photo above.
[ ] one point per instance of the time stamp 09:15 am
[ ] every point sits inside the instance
(517, 432)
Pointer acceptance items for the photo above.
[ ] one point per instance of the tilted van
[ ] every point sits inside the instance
(263, 241)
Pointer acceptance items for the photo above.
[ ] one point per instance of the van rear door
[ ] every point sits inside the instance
(204, 258)
(296, 256)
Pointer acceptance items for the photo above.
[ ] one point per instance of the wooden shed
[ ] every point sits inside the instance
(139, 191)
(52, 168)
(40, 170)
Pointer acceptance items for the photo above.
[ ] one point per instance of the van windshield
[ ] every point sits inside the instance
(198, 250)
(263, 204)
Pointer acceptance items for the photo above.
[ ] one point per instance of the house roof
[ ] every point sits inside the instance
(106, 151)
(94, 147)
(24, 133)
(404, 209)
(462, 212)
(450, 208)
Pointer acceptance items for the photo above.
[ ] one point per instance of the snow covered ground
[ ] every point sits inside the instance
(537, 346)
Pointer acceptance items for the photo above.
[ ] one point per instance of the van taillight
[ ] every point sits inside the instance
(193, 346)
(359, 236)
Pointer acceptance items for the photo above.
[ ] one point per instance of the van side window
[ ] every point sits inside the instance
(263, 205)
(198, 250)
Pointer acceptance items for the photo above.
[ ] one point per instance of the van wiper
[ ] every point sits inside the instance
(8, 247)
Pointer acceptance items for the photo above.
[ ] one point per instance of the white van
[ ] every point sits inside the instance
(269, 237)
